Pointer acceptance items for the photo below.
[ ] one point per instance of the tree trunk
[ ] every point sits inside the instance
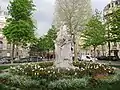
(54, 54)
(115, 49)
(103, 50)
(75, 49)
(13, 50)
(86, 51)
(17, 52)
(48, 55)
(109, 52)
(94, 51)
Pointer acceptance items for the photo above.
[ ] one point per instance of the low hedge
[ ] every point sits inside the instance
(46, 70)
(44, 76)
(16, 82)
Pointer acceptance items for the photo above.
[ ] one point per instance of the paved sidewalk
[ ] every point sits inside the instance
(117, 63)
(24, 63)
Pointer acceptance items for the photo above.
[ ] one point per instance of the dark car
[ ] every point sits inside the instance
(35, 59)
(111, 58)
(22, 60)
(102, 58)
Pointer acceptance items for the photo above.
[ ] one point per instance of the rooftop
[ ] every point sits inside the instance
(113, 3)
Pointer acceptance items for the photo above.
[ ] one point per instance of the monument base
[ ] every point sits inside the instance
(64, 64)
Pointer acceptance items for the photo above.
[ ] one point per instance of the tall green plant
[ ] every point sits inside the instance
(94, 34)
(20, 26)
(113, 28)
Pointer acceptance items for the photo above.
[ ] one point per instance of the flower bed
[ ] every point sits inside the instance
(44, 76)
(95, 69)
(18, 82)
(47, 70)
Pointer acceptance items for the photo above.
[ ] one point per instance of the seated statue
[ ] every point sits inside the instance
(63, 47)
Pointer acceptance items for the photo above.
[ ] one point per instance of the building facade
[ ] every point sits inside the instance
(108, 10)
(103, 50)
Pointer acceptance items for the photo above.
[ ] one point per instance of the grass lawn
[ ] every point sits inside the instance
(117, 66)
(4, 67)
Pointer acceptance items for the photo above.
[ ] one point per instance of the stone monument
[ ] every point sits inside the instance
(63, 46)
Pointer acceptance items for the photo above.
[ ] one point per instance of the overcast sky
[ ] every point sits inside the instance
(45, 10)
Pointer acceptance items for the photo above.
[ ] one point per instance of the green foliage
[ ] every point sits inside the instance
(4, 67)
(48, 40)
(113, 22)
(94, 34)
(113, 78)
(20, 27)
(45, 42)
(5, 75)
(46, 70)
(16, 81)
(94, 69)
(69, 84)
(22, 82)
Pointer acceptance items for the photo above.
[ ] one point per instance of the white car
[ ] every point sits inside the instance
(88, 58)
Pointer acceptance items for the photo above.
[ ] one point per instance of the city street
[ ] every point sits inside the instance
(116, 63)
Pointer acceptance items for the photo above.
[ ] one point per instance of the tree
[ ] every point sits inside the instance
(46, 42)
(113, 28)
(74, 14)
(20, 26)
(49, 40)
(114, 23)
(94, 34)
(51, 36)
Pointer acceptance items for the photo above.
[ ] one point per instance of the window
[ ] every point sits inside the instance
(116, 3)
(112, 5)
(8, 46)
(108, 5)
(1, 45)
(87, 57)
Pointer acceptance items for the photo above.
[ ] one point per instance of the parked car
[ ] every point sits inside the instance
(35, 59)
(102, 57)
(112, 58)
(22, 60)
(7, 58)
(88, 58)
(4, 61)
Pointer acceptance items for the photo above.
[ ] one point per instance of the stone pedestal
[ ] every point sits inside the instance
(64, 56)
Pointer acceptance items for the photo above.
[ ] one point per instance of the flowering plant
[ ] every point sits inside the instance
(94, 68)
(48, 71)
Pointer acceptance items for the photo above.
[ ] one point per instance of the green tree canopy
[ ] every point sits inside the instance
(113, 21)
(20, 27)
(45, 42)
(94, 34)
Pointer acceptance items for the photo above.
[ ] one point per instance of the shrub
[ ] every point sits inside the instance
(4, 77)
(113, 78)
(18, 82)
(47, 71)
(22, 82)
(94, 69)
(69, 84)
(30, 68)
